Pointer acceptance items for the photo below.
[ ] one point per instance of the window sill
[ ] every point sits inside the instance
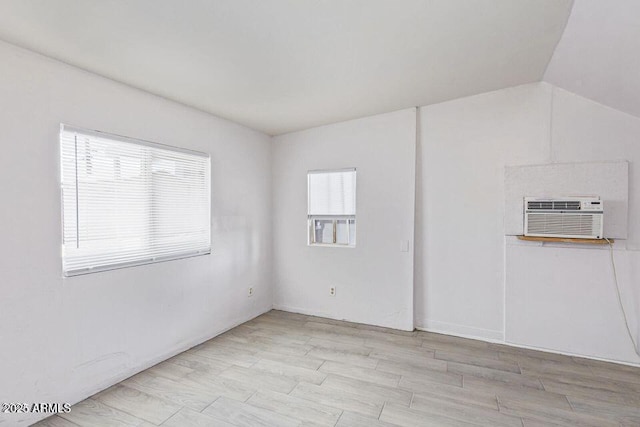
(567, 240)
(146, 261)
(331, 245)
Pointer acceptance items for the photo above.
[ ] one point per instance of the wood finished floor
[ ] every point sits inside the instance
(284, 369)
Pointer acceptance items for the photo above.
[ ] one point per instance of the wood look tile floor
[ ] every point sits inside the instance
(284, 369)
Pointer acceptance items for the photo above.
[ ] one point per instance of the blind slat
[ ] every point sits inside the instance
(126, 201)
(332, 192)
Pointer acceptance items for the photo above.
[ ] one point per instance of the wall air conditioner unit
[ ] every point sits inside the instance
(572, 217)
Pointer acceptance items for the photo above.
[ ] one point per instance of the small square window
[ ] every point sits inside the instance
(331, 212)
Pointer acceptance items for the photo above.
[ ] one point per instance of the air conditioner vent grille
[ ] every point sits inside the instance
(554, 205)
(545, 224)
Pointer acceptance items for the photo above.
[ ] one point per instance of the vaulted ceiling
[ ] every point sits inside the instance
(284, 65)
(598, 56)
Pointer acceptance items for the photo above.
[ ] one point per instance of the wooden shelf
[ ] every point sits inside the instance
(566, 240)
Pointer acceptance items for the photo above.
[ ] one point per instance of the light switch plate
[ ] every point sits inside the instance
(404, 246)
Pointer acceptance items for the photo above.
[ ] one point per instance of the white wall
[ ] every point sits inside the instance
(374, 280)
(587, 130)
(584, 130)
(463, 150)
(62, 340)
(563, 298)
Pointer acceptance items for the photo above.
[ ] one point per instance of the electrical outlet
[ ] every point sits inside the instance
(250, 292)
(332, 291)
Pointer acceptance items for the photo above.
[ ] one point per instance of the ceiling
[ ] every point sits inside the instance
(598, 56)
(284, 65)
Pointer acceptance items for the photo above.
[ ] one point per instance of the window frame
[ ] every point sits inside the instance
(151, 259)
(311, 218)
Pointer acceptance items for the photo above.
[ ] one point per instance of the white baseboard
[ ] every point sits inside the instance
(582, 356)
(497, 337)
(307, 312)
(488, 335)
(298, 310)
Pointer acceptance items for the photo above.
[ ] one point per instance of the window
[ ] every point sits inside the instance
(332, 207)
(128, 202)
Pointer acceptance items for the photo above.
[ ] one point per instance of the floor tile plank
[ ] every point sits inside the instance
(188, 417)
(91, 413)
(368, 390)
(339, 399)
(344, 357)
(448, 393)
(409, 368)
(462, 412)
(416, 357)
(55, 421)
(138, 403)
(562, 417)
(223, 386)
(297, 408)
(475, 360)
(350, 419)
(527, 394)
(305, 361)
(415, 381)
(602, 408)
(259, 379)
(349, 348)
(244, 415)
(494, 375)
(184, 392)
(234, 355)
(407, 417)
(365, 374)
(590, 392)
(296, 373)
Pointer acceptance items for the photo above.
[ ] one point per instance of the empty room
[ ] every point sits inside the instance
(344, 213)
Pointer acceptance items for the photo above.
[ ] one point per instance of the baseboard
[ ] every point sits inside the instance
(307, 312)
(304, 311)
(497, 337)
(564, 353)
(488, 335)
(84, 394)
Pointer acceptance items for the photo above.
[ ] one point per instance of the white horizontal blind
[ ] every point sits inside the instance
(128, 202)
(332, 192)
